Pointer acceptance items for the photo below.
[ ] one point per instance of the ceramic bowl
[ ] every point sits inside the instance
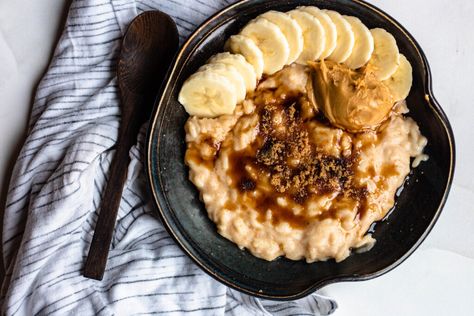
(416, 210)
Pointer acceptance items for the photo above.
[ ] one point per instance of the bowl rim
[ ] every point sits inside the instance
(429, 97)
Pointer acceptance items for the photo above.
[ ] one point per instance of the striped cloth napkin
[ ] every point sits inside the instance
(59, 177)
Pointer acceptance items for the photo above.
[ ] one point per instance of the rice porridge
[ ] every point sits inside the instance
(279, 179)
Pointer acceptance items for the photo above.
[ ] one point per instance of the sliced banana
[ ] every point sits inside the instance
(363, 43)
(329, 29)
(271, 41)
(314, 36)
(291, 30)
(345, 37)
(243, 67)
(239, 44)
(401, 80)
(230, 73)
(384, 61)
(207, 94)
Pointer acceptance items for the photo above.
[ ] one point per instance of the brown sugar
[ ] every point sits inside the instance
(292, 161)
(286, 159)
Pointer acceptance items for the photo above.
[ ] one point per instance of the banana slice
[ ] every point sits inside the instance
(239, 44)
(400, 82)
(291, 30)
(314, 36)
(207, 94)
(230, 73)
(329, 29)
(384, 61)
(238, 62)
(363, 44)
(345, 37)
(271, 41)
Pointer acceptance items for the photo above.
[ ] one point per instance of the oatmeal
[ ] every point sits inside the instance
(279, 179)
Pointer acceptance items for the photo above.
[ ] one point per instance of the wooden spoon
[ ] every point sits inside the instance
(148, 47)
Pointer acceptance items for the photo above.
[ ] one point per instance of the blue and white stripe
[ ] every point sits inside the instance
(59, 177)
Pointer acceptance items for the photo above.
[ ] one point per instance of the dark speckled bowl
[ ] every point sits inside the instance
(416, 211)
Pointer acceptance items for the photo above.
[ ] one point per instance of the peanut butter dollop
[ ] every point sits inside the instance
(352, 100)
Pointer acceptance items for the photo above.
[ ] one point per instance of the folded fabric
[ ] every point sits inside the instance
(56, 188)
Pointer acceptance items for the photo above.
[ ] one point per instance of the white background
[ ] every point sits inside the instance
(439, 278)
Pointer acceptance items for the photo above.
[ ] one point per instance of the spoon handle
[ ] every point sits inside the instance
(104, 229)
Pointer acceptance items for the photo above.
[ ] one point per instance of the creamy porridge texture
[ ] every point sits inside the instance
(279, 180)
(298, 137)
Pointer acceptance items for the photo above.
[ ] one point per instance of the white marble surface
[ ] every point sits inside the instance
(439, 278)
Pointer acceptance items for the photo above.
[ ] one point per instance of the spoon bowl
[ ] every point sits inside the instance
(150, 41)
